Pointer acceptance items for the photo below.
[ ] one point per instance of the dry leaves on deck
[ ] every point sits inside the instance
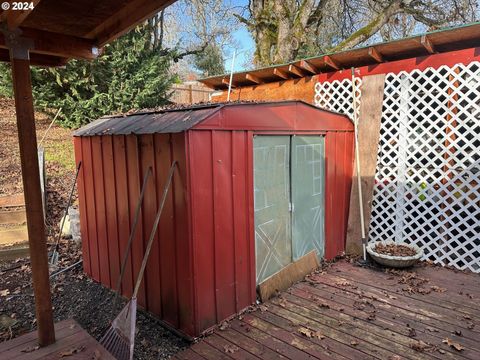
(230, 349)
(310, 333)
(453, 344)
(72, 351)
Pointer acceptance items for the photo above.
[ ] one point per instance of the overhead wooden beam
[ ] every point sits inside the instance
(132, 14)
(16, 17)
(305, 65)
(37, 59)
(331, 63)
(253, 78)
(375, 54)
(281, 74)
(427, 44)
(48, 43)
(296, 71)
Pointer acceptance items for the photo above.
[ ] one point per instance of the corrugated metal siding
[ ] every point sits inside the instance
(224, 262)
(109, 185)
(339, 172)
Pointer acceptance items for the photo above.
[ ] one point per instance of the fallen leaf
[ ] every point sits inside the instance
(354, 343)
(458, 332)
(441, 351)
(453, 344)
(263, 308)
(311, 333)
(438, 289)
(5, 292)
(467, 317)
(230, 348)
(97, 355)
(72, 351)
(412, 332)
(29, 349)
(470, 326)
(432, 329)
(343, 283)
(421, 346)
(224, 326)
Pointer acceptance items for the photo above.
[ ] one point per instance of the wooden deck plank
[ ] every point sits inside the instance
(231, 348)
(363, 331)
(209, 352)
(250, 345)
(31, 337)
(328, 343)
(449, 299)
(397, 300)
(301, 343)
(384, 318)
(357, 313)
(187, 354)
(290, 352)
(69, 336)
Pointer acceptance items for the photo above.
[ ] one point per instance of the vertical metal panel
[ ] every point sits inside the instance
(149, 210)
(272, 199)
(224, 227)
(166, 232)
(340, 194)
(134, 188)
(240, 196)
(120, 177)
(90, 206)
(86, 254)
(110, 209)
(308, 195)
(183, 237)
(101, 220)
(330, 246)
(348, 173)
(201, 165)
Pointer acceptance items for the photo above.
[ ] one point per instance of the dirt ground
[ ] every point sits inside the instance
(74, 294)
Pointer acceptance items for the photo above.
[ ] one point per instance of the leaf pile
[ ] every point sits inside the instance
(394, 250)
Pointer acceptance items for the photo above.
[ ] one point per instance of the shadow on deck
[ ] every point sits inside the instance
(72, 343)
(348, 312)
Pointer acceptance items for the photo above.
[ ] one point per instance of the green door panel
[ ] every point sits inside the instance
(308, 194)
(273, 244)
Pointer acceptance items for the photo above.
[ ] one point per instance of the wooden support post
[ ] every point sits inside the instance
(369, 135)
(27, 139)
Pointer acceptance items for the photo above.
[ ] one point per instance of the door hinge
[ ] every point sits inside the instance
(291, 207)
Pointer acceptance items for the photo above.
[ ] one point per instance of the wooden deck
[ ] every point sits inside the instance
(349, 312)
(72, 343)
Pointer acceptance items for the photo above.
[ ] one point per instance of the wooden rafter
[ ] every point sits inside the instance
(427, 44)
(125, 19)
(15, 18)
(253, 78)
(55, 44)
(331, 63)
(226, 81)
(281, 74)
(375, 55)
(296, 71)
(308, 67)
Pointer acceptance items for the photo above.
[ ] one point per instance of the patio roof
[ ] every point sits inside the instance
(61, 30)
(439, 41)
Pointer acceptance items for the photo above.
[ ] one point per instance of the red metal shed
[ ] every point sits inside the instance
(256, 182)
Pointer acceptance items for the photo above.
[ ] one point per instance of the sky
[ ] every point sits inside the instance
(244, 53)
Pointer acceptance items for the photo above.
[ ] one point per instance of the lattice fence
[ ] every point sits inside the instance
(427, 182)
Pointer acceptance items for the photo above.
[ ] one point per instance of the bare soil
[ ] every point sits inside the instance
(394, 250)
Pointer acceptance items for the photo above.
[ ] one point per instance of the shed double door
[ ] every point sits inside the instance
(288, 199)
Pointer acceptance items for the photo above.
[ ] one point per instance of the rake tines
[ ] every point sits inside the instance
(120, 337)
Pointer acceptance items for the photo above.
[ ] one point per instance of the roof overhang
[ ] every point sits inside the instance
(440, 41)
(59, 30)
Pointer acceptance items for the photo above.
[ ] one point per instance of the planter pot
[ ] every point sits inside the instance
(394, 261)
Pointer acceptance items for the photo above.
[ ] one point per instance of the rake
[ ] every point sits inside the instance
(119, 340)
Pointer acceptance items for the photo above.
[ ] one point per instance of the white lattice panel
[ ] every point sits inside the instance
(427, 182)
(338, 96)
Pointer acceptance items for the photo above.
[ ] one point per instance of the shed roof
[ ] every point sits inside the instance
(169, 120)
(439, 41)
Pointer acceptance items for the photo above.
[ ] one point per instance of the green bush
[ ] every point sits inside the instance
(131, 74)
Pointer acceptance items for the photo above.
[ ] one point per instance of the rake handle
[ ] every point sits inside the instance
(154, 230)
